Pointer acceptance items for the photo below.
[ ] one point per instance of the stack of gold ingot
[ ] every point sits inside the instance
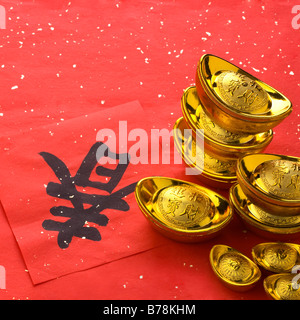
(237, 113)
(231, 114)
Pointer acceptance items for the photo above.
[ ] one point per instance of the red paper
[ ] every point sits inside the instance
(65, 60)
(67, 212)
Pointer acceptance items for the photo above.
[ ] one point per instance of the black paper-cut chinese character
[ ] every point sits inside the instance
(66, 189)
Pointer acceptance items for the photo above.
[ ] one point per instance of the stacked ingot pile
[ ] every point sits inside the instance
(231, 111)
(237, 113)
(229, 116)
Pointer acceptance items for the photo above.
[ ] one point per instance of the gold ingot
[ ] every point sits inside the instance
(233, 268)
(282, 286)
(236, 100)
(272, 182)
(213, 171)
(220, 142)
(181, 210)
(276, 257)
(261, 222)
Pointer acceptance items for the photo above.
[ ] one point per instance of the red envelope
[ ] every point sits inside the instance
(68, 212)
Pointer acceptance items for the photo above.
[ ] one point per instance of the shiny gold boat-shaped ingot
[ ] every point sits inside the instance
(220, 142)
(236, 100)
(233, 268)
(282, 286)
(181, 210)
(272, 182)
(213, 171)
(276, 256)
(270, 226)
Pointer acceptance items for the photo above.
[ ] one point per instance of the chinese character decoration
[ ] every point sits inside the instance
(77, 216)
(251, 90)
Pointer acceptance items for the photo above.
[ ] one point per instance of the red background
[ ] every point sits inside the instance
(72, 58)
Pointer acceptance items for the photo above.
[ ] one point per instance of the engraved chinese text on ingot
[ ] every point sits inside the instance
(211, 129)
(213, 164)
(236, 100)
(216, 138)
(271, 219)
(234, 267)
(280, 256)
(199, 159)
(181, 210)
(280, 178)
(241, 93)
(184, 206)
(257, 219)
(220, 134)
(191, 150)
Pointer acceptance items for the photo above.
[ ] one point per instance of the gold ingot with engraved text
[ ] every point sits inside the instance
(181, 210)
(272, 182)
(236, 100)
(219, 142)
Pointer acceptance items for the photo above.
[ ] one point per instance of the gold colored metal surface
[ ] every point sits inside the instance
(220, 142)
(241, 92)
(181, 210)
(282, 286)
(272, 182)
(215, 171)
(276, 256)
(233, 268)
(260, 221)
(236, 100)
